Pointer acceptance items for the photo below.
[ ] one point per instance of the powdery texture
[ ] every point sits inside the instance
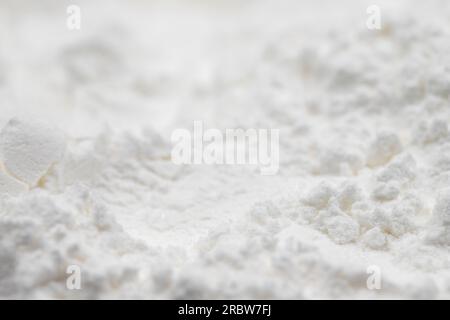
(364, 149)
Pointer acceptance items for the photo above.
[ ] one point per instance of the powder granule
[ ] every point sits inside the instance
(383, 148)
(375, 239)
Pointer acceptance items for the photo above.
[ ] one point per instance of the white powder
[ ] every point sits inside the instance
(28, 149)
(364, 150)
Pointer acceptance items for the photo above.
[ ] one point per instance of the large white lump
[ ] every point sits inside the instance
(29, 148)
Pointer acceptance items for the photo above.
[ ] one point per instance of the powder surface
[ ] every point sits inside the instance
(364, 148)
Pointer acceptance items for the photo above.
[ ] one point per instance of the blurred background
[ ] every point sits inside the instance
(163, 62)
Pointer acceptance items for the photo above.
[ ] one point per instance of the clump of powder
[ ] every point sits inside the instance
(28, 149)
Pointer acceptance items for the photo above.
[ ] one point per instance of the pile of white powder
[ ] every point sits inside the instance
(86, 177)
